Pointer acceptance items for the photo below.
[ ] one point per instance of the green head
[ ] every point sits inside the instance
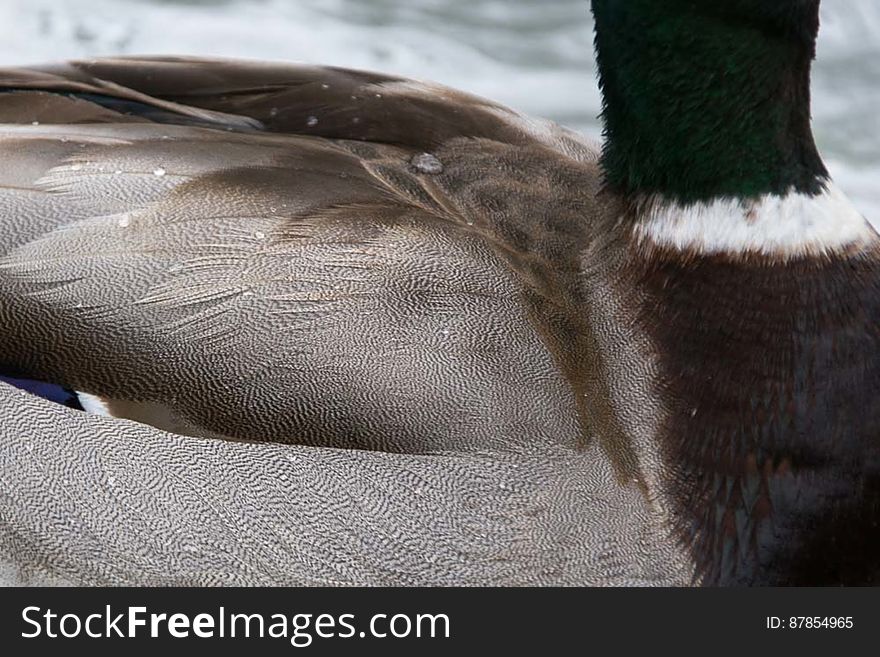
(708, 98)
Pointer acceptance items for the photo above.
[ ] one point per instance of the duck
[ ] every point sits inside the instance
(336, 327)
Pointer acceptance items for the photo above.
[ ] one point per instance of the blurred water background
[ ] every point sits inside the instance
(534, 55)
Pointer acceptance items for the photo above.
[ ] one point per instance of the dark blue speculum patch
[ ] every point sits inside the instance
(50, 391)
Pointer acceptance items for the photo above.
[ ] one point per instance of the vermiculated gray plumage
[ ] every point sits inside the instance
(423, 380)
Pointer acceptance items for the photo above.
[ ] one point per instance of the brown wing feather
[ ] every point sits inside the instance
(374, 303)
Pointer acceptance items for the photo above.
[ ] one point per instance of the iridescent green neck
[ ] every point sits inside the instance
(708, 98)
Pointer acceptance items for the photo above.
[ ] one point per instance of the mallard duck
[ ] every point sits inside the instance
(339, 327)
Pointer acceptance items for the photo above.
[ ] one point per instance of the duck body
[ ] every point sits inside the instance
(323, 239)
(426, 340)
(340, 297)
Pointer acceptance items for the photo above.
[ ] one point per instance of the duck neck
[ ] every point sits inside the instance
(708, 100)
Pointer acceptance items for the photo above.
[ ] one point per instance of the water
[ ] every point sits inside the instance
(534, 55)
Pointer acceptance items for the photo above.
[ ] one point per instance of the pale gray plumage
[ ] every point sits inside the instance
(88, 499)
(252, 246)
